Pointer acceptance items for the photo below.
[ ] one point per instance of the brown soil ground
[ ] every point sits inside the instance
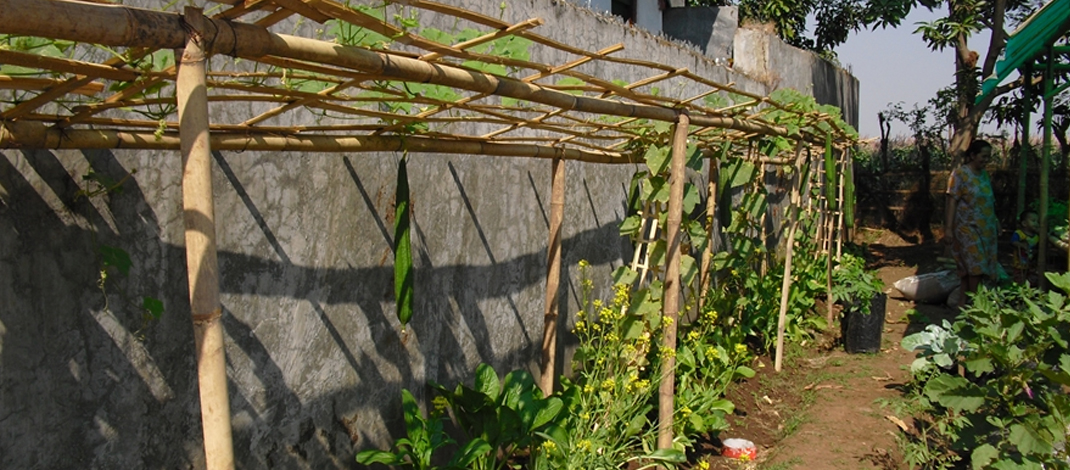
(828, 409)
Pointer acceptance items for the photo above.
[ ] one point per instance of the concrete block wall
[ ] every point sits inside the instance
(316, 357)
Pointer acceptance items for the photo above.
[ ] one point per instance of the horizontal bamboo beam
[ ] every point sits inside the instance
(35, 135)
(124, 26)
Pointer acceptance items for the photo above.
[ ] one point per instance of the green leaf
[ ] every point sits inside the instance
(982, 365)
(668, 455)
(955, 392)
(115, 257)
(657, 159)
(404, 281)
(688, 269)
(414, 422)
(635, 425)
(1062, 281)
(631, 225)
(694, 157)
(153, 306)
(548, 411)
(1028, 441)
(723, 405)
(744, 371)
(691, 198)
(624, 275)
(369, 457)
(571, 82)
(487, 381)
(1015, 331)
(982, 456)
(468, 454)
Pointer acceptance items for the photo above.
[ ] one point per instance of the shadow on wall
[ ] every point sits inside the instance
(79, 371)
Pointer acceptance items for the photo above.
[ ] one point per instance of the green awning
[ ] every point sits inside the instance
(1029, 40)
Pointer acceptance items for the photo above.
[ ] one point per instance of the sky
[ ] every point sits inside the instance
(894, 65)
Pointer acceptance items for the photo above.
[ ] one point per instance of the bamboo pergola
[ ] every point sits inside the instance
(402, 93)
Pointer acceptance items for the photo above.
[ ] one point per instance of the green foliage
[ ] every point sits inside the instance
(404, 276)
(853, 285)
(424, 436)
(502, 417)
(1009, 408)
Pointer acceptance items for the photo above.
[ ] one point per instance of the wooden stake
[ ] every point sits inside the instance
(711, 216)
(201, 261)
(553, 277)
(785, 288)
(671, 305)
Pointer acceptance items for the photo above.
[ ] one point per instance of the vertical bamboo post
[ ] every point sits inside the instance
(671, 297)
(840, 232)
(1025, 149)
(1045, 164)
(201, 261)
(785, 288)
(553, 277)
(711, 214)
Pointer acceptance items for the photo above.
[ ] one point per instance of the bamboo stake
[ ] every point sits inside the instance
(839, 214)
(158, 30)
(553, 277)
(202, 264)
(1045, 165)
(671, 297)
(711, 215)
(785, 288)
(30, 134)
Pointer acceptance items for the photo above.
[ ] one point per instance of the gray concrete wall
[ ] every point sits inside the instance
(316, 357)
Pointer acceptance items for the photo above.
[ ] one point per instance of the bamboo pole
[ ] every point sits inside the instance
(711, 216)
(785, 287)
(671, 297)
(1025, 149)
(31, 134)
(202, 265)
(1045, 164)
(115, 25)
(553, 277)
(840, 232)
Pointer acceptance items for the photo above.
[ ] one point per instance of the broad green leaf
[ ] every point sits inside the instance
(982, 456)
(744, 371)
(1015, 331)
(633, 327)
(635, 425)
(1028, 441)
(723, 405)
(631, 225)
(685, 357)
(688, 269)
(115, 257)
(694, 157)
(1062, 281)
(955, 392)
(414, 422)
(624, 275)
(691, 198)
(404, 277)
(982, 365)
(550, 408)
(369, 457)
(487, 381)
(736, 172)
(657, 159)
(471, 451)
(667, 455)
(153, 306)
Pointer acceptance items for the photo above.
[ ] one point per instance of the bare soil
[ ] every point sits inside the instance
(824, 409)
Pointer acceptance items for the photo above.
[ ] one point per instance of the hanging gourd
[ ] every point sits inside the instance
(403, 274)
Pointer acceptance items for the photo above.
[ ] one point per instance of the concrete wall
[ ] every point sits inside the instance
(316, 358)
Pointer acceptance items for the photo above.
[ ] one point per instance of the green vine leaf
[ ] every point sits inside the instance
(116, 257)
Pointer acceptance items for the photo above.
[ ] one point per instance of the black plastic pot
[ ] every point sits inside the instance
(862, 331)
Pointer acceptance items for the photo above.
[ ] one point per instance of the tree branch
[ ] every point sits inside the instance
(997, 42)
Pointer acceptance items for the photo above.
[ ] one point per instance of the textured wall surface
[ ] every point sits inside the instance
(316, 357)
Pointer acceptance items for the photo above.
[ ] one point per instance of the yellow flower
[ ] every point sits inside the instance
(741, 348)
(629, 350)
(704, 465)
(597, 303)
(667, 352)
(440, 404)
(548, 446)
(612, 338)
(608, 384)
(588, 389)
(693, 335)
(666, 320)
(620, 294)
(712, 352)
(584, 445)
(685, 411)
(585, 415)
(580, 326)
(711, 316)
(583, 263)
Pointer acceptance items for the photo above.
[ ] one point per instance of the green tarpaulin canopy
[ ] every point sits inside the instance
(1029, 40)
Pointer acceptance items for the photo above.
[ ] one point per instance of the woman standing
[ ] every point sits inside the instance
(970, 220)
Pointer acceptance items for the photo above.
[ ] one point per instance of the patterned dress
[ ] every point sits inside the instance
(976, 230)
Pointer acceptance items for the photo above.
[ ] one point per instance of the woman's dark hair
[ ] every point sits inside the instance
(975, 148)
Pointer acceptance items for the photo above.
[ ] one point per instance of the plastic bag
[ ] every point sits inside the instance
(928, 288)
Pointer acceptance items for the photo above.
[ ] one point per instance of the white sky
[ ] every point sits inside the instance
(894, 65)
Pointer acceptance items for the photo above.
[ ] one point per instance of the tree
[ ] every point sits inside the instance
(834, 19)
(964, 19)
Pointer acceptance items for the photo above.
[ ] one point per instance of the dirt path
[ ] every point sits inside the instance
(829, 409)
